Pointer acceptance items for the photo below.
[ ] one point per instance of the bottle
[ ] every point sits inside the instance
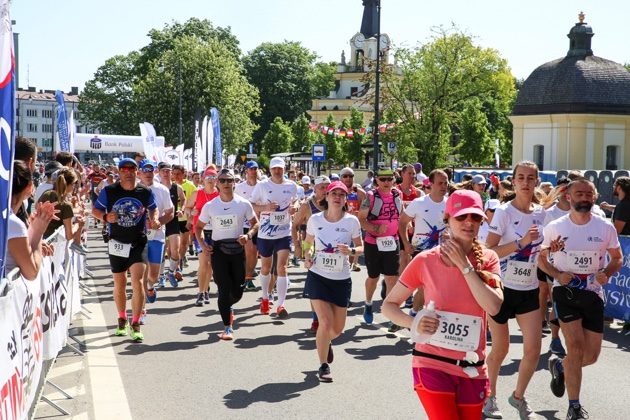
(417, 336)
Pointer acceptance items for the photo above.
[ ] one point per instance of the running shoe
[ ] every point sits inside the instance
(199, 301)
(178, 275)
(249, 285)
(264, 306)
(79, 248)
(556, 347)
(172, 280)
(161, 281)
(151, 295)
(227, 334)
(491, 409)
(557, 376)
(576, 412)
(314, 327)
(136, 334)
(324, 373)
(524, 410)
(368, 315)
(393, 328)
(546, 328)
(356, 268)
(331, 355)
(206, 297)
(282, 312)
(409, 302)
(143, 317)
(122, 327)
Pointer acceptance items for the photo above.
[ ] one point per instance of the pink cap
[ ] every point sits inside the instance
(210, 172)
(337, 185)
(426, 182)
(462, 202)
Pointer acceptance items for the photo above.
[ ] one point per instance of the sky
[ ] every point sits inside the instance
(63, 42)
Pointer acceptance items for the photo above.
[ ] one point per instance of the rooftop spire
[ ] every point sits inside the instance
(580, 38)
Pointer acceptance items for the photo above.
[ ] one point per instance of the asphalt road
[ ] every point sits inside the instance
(183, 370)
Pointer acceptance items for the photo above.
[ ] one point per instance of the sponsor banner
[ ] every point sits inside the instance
(188, 159)
(62, 123)
(108, 143)
(617, 291)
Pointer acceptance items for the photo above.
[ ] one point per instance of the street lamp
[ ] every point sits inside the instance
(377, 86)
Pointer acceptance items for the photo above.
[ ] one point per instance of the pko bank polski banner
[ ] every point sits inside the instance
(617, 291)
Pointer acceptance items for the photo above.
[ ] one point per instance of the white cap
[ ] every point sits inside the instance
(492, 204)
(277, 162)
(322, 179)
(306, 180)
(346, 170)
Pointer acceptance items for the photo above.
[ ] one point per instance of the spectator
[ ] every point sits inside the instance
(420, 176)
(368, 184)
(50, 169)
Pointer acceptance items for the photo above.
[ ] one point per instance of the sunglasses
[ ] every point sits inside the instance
(477, 218)
(226, 180)
(147, 170)
(127, 169)
(388, 179)
(211, 178)
(347, 176)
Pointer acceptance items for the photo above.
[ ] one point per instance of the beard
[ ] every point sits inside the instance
(583, 206)
(615, 193)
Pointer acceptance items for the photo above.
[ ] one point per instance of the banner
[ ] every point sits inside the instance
(173, 157)
(216, 130)
(197, 140)
(7, 123)
(201, 146)
(62, 123)
(208, 143)
(188, 159)
(617, 291)
(72, 131)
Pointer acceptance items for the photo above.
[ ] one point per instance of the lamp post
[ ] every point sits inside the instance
(377, 87)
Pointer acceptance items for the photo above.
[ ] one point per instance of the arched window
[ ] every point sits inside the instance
(539, 156)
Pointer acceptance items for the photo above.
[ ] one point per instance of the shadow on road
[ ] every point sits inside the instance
(271, 393)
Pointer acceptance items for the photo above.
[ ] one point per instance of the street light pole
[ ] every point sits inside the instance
(377, 86)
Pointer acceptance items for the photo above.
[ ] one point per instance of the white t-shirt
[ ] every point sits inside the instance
(16, 229)
(554, 213)
(482, 235)
(585, 246)
(226, 218)
(428, 221)
(245, 190)
(518, 269)
(163, 202)
(41, 189)
(276, 224)
(328, 262)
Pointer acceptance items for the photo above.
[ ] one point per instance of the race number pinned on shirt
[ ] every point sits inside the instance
(278, 218)
(118, 249)
(224, 222)
(521, 273)
(331, 262)
(583, 262)
(457, 332)
(386, 243)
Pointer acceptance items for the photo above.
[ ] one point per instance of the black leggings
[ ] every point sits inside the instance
(229, 275)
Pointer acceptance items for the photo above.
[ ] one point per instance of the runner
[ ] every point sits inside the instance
(126, 207)
(449, 371)
(307, 209)
(379, 215)
(178, 199)
(306, 184)
(275, 199)
(578, 243)
(196, 202)
(356, 195)
(155, 243)
(334, 235)
(245, 189)
(427, 215)
(226, 214)
(189, 188)
(515, 235)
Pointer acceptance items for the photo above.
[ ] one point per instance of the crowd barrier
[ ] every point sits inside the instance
(35, 318)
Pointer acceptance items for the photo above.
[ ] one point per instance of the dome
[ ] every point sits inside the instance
(579, 83)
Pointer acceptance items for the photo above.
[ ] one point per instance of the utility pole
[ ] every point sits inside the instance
(377, 87)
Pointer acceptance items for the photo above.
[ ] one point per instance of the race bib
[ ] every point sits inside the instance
(119, 249)
(331, 262)
(386, 243)
(457, 332)
(224, 222)
(150, 234)
(521, 273)
(583, 262)
(277, 218)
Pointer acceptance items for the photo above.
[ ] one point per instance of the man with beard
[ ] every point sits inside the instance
(621, 212)
(579, 270)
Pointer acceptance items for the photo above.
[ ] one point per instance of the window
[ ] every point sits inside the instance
(353, 91)
(47, 128)
(31, 127)
(47, 113)
(31, 112)
(611, 157)
(539, 156)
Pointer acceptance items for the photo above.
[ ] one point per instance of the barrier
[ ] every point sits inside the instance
(34, 321)
(617, 291)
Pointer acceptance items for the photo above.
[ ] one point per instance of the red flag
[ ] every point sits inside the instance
(362, 131)
(382, 128)
(324, 130)
(350, 133)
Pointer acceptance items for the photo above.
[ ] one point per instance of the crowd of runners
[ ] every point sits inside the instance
(454, 261)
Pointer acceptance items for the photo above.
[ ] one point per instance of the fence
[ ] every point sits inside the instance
(34, 320)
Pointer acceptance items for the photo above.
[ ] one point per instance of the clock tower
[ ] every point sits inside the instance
(350, 88)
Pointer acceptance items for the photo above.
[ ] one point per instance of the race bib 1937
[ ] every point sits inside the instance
(278, 218)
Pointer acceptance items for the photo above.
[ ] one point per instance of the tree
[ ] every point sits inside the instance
(352, 146)
(322, 78)
(278, 138)
(332, 146)
(207, 75)
(107, 101)
(281, 74)
(476, 145)
(303, 137)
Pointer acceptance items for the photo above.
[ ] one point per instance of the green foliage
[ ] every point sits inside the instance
(303, 137)
(332, 144)
(278, 138)
(322, 78)
(476, 145)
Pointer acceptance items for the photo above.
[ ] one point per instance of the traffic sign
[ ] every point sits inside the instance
(391, 147)
(252, 156)
(319, 152)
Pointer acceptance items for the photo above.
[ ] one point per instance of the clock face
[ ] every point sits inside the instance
(359, 39)
(385, 42)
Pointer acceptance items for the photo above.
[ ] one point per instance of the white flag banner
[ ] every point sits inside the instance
(201, 147)
(72, 130)
(148, 141)
(208, 144)
(188, 163)
(172, 157)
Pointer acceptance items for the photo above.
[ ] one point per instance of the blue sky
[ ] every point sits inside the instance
(63, 42)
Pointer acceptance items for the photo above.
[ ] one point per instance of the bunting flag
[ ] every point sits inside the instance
(362, 131)
(62, 123)
(350, 133)
(7, 123)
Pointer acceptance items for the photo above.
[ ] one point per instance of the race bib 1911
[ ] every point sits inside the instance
(521, 273)
(331, 262)
(224, 222)
(583, 262)
(119, 249)
(386, 243)
(457, 332)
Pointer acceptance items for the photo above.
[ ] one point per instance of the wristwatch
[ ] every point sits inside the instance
(468, 269)
(353, 251)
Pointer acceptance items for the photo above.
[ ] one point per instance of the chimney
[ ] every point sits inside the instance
(32, 89)
(74, 90)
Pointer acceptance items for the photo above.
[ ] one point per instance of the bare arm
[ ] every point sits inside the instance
(403, 224)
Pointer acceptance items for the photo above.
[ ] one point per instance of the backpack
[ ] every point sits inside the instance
(377, 205)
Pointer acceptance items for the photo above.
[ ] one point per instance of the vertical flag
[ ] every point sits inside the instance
(7, 123)
(188, 159)
(201, 147)
(208, 142)
(62, 123)
(72, 130)
(497, 160)
(197, 139)
(216, 129)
